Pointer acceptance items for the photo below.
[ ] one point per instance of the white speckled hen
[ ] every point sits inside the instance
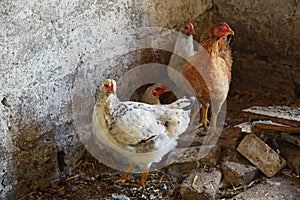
(140, 132)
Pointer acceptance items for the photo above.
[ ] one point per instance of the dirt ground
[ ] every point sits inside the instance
(87, 179)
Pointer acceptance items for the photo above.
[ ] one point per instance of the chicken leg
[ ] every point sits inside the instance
(203, 117)
(125, 176)
(144, 177)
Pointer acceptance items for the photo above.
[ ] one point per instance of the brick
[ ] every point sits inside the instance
(201, 185)
(238, 174)
(261, 155)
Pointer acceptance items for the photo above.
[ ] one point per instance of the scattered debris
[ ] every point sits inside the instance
(292, 155)
(201, 184)
(238, 174)
(274, 188)
(294, 139)
(261, 125)
(185, 178)
(261, 155)
(280, 114)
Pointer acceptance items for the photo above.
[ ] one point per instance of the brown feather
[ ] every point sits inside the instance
(209, 71)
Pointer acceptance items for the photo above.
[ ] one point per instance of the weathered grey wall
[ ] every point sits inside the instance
(266, 45)
(42, 45)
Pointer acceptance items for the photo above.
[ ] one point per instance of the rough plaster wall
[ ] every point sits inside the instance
(266, 45)
(43, 44)
(173, 15)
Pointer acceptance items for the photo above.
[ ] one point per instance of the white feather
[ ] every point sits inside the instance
(131, 127)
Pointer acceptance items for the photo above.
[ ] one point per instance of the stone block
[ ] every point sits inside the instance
(238, 174)
(261, 155)
(201, 184)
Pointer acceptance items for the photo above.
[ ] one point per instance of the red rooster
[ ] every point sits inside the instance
(209, 71)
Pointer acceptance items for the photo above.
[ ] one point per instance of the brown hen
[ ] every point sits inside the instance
(209, 71)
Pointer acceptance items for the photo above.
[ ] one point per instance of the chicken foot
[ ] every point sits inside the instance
(125, 177)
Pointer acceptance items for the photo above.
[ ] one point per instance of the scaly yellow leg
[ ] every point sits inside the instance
(214, 117)
(144, 177)
(125, 176)
(203, 117)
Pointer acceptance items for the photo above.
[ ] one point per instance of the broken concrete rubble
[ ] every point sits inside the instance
(273, 188)
(201, 185)
(261, 125)
(238, 174)
(261, 155)
(280, 114)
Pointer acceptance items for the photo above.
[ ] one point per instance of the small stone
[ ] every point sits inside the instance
(261, 155)
(238, 174)
(62, 192)
(164, 187)
(102, 176)
(201, 184)
(143, 197)
(120, 197)
(87, 177)
(74, 188)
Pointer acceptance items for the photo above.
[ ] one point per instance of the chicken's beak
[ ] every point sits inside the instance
(230, 32)
(193, 32)
(167, 90)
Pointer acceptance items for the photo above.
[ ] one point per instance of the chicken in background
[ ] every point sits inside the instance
(184, 48)
(209, 71)
(140, 132)
(152, 93)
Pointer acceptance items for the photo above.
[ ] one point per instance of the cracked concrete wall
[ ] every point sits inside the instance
(42, 45)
